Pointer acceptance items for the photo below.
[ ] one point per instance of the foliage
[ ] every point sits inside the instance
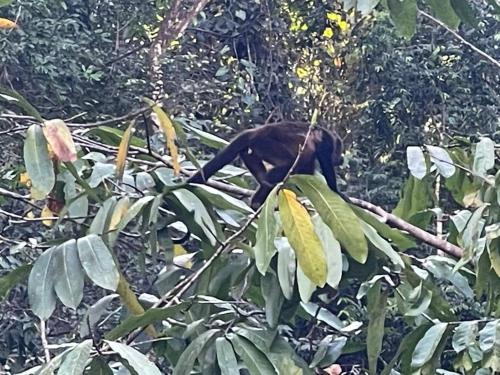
(305, 282)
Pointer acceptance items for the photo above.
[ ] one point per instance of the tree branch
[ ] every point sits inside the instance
(461, 39)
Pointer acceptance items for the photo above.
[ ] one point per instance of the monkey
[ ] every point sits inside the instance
(278, 145)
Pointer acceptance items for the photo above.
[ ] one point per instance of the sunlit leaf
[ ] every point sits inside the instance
(7, 24)
(168, 130)
(286, 266)
(121, 157)
(41, 284)
(98, 262)
(442, 160)
(270, 289)
(377, 308)
(76, 360)
(484, 156)
(332, 251)
(138, 361)
(69, 279)
(299, 230)
(37, 161)
(336, 213)
(381, 244)
(464, 336)
(428, 344)
(267, 227)
(60, 140)
(46, 212)
(416, 161)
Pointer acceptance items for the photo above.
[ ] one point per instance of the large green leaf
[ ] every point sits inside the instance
(256, 361)
(270, 289)
(76, 360)
(441, 159)
(264, 248)
(186, 361)
(417, 196)
(151, 316)
(484, 156)
(41, 284)
(444, 11)
(98, 262)
(226, 357)
(138, 361)
(261, 338)
(336, 213)
(464, 336)
(69, 279)
(404, 15)
(377, 308)
(428, 344)
(38, 163)
(466, 13)
(381, 244)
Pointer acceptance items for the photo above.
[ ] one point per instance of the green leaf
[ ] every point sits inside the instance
(377, 308)
(416, 162)
(400, 240)
(151, 316)
(186, 361)
(336, 213)
(323, 315)
(69, 280)
(138, 361)
(267, 228)
(417, 196)
(299, 230)
(444, 11)
(222, 200)
(101, 219)
(133, 211)
(464, 336)
(256, 362)
(305, 285)
(97, 261)
(99, 366)
(428, 344)
(94, 313)
(38, 164)
(209, 139)
(489, 336)
(366, 6)
(226, 357)
(201, 216)
(286, 266)
(41, 285)
(270, 289)
(442, 160)
(465, 12)
(261, 338)
(76, 360)
(332, 251)
(484, 156)
(11, 279)
(381, 244)
(16, 98)
(404, 15)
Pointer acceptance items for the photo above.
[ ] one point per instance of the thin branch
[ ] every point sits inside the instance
(45, 344)
(461, 38)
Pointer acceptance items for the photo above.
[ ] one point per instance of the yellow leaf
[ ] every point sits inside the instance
(343, 25)
(328, 32)
(169, 133)
(121, 157)
(119, 212)
(30, 215)
(24, 179)
(59, 140)
(130, 300)
(46, 212)
(334, 17)
(7, 24)
(299, 230)
(302, 73)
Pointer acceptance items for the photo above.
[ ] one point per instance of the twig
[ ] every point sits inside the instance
(45, 344)
(459, 37)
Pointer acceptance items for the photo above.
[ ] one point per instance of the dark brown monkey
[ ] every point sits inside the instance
(278, 145)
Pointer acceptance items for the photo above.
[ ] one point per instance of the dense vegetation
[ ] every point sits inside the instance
(106, 107)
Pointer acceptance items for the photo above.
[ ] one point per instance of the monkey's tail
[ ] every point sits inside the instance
(224, 157)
